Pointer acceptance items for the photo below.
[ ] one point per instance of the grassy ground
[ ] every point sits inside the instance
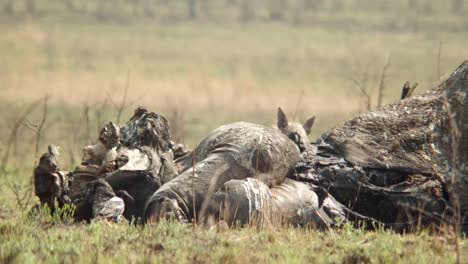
(200, 74)
(26, 240)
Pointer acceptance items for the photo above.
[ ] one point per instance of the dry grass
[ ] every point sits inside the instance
(201, 74)
(40, 240)
(229, 72)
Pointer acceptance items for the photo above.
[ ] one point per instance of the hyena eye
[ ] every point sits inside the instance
(294, 137)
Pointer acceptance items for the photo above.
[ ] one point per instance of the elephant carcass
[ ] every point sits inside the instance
(234, 151)
(134, 158)
(402, 165)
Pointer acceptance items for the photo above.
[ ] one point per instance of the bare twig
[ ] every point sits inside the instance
(111, 100)
(30, 125)
(193, 188)
(87, 135)
(362, 86)
(175, 116)
(439, 54)
(39, 129)
(383, 76)
(98, 113)
(123, 104)
(71, 153)
(14, 132)
(74, 132)
(299, 100)
(14, 188)
(27, 195)
(363, 78)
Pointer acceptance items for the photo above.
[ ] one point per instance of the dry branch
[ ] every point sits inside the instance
(383, 77)
(123, 104)
(362, 86)
(22, 200)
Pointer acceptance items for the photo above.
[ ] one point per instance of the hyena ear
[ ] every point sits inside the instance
(308, 124)
(282, 119)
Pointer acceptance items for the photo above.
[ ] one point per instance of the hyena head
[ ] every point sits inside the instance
(295, 131)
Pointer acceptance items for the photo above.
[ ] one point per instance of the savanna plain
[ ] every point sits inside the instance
(69, 67)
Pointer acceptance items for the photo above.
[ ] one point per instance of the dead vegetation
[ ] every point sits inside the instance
(78, 107)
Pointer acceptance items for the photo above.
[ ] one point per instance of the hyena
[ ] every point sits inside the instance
(295, 131)
(232, 152)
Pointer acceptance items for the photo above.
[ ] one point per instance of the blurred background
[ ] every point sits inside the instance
(204, 63)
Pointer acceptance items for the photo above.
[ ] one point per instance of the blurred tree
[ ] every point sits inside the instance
(70, 5)
(231, 2)
(338, 5)
(8, 7)
(297, 14)
(101, 10)
(30, 7)
(312, 4)
(412, 4)
(50, 51)
(136, 7)
(457, 6)
(247, 10)
(206, 8)
(148, 7)
(277, 9)
(192, 9)
(427, 8)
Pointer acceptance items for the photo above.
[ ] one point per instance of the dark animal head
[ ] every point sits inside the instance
(48, 163)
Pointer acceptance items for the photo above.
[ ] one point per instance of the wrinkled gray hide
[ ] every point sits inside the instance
(251, 202)
(234, 151)
(395, 164)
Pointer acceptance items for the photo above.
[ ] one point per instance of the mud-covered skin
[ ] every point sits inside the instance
(100, 193)
(166, 208)
(92, 200)
(134, 187)
(394, 164)
(297, 204)
(251, 202)
(242, 202)
(234, 151)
